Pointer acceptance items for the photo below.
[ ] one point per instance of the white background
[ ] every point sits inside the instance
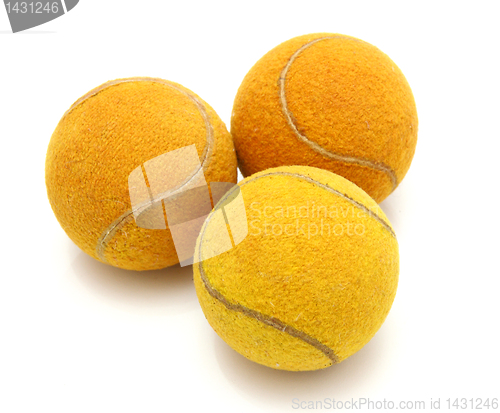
(79, 336)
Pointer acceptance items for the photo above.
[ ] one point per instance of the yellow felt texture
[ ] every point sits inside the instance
(334, 287)
(101, 139)
(340, 93)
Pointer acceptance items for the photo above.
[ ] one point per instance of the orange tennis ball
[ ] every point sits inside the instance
(106, 135)
(329, 101)
(314, 278)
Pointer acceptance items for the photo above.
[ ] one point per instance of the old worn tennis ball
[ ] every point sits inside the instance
(106, 135)
(330, 101)
(314, 278)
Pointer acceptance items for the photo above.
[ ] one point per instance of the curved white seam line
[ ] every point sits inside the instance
(272, 321)
(111, 230)
(305, 178)
(379, 166)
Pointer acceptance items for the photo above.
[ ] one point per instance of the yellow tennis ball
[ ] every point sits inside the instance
(314, 278)
(106, 135)
(330, 101)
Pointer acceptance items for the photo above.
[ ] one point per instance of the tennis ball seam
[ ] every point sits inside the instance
(379, 166)
(268, 320)
(368, 211)
(108, 234)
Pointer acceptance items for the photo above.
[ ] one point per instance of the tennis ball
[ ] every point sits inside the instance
(314, 278)
(106, 135)
(330, 101)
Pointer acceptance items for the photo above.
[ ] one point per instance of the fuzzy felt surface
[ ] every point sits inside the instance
(102, 138)
(329, 101)
(313, 280)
